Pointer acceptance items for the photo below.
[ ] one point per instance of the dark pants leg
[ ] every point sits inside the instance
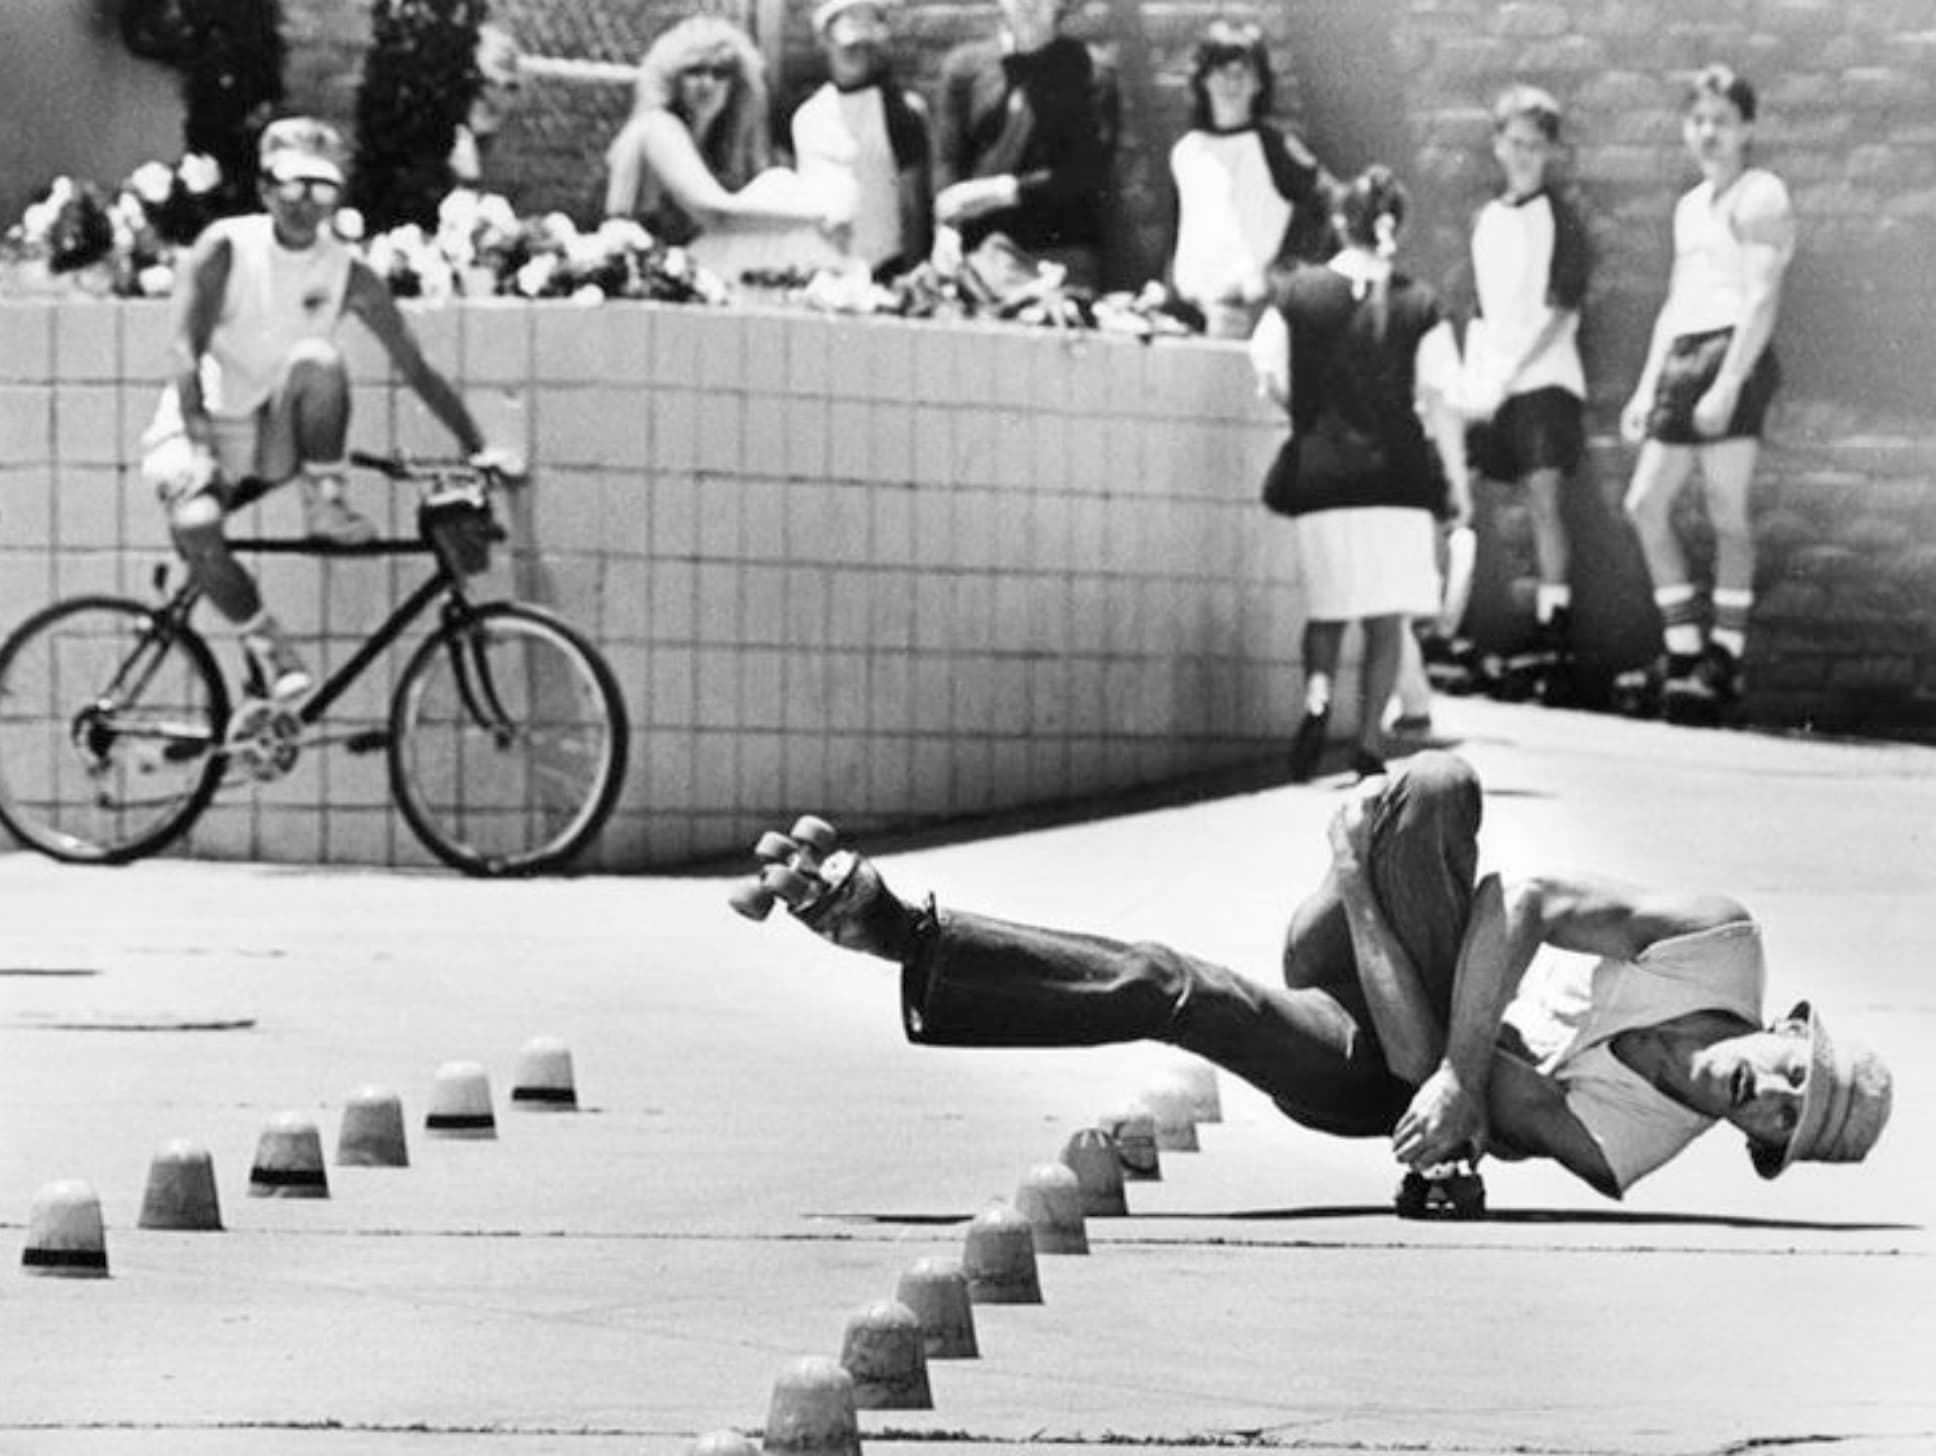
(983, 982)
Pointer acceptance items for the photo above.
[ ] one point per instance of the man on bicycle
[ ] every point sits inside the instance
(260, 389)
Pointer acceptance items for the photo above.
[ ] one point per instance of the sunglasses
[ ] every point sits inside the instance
(314, 189)
(1216, 57)
(717, 70)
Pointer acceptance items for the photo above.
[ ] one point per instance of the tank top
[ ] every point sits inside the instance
(841, 137)
(276, 298)
(1710, 286)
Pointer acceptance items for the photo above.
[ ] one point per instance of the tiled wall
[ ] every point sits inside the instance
(897, 572)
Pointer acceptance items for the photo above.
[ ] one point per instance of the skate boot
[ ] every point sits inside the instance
(1637, 691)
(835, 893)
(1451, 664)
(1688, 693)
(1556, 686)
(1452, 1191)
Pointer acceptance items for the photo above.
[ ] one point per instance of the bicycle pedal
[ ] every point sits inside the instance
(370, 740)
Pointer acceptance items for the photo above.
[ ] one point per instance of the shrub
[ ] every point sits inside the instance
(419, 80)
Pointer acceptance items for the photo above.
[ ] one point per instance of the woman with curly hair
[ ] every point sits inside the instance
(695, 157)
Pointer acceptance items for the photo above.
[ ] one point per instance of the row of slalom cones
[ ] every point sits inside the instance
(887, 1343)
(65, 1231)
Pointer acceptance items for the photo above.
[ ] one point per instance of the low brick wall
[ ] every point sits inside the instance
(905, 572)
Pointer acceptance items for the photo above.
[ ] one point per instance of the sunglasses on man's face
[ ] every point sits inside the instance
(314, 189)
(721, 71)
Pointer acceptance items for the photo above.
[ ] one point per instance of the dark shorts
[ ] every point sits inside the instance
(1543, 429)
(1693, 364)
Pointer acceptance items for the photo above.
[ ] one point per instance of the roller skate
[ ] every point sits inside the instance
(835, 893)
(1452, 664)
(1452, 1191)
(1702, 691)
(1637, 691)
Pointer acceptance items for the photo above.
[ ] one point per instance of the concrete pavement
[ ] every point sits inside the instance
(760, 1154)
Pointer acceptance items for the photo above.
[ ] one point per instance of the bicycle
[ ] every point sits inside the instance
(506, 737)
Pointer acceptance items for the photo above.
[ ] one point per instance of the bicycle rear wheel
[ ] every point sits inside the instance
(507, 741)
(110, 730)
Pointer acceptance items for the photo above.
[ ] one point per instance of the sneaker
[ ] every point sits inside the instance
(327, 518)
(1307, 748)
(275, 667)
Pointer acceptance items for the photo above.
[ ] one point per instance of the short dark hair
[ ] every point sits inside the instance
(1530, 103)
(1728, 84)
(1223, 42)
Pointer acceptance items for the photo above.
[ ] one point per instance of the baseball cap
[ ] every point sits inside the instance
(301, 148)
(1845, 1103)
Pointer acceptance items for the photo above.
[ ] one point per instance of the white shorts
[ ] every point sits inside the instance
(1369, 561)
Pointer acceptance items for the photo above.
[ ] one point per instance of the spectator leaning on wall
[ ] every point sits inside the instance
(1027, 124)
(1705, 389)
(864, 132)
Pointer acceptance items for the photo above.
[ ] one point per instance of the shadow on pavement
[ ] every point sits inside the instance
(1585, 1216)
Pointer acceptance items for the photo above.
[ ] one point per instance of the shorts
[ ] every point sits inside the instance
(1368, 561)
(259, 446)
(1693, 364)
(1543, 429)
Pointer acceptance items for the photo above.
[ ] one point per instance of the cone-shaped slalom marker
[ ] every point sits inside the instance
(1172, 1109)
(886, 1352)
(723, 1443)
(65, 1236)
(998, 1258)
(460, 1103)
(372, 1132)
(812, 1411)
(937, 1291)
(1199, 1078)
(1090, 1154)
(1050, 1198)
(1133, 1130)
(542, 1080)
(289, 1160)
(181, 1189)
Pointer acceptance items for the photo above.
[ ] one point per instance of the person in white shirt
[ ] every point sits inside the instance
(863, 132)
(1247, 192)
(1706, 386)
(1406, 1010)
(260, 391)
(1524, 386)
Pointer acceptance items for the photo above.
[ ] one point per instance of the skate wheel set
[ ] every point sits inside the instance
(1452, 1191)
(796, 869)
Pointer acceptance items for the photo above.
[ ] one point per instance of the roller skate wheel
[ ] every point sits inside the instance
(788, 884)
(774, 847)
(815, 833)
(753, 900)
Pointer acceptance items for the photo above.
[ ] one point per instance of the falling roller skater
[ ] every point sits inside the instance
(1410, 1006)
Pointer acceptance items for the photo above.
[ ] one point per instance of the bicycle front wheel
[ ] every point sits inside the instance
(507, 741)
(110, 730)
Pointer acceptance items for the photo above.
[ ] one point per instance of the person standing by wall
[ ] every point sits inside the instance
(863, 131)
(1524, 385)
(1705, 389)
(1246, 192)
(1026, 127)
(1357, 352)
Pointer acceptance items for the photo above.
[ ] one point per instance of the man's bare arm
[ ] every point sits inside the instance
(369, 299)
(197, 309)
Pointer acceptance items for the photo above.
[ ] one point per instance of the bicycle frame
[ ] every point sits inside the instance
(439, 583)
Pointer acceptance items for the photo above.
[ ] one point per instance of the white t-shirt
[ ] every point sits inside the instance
(1568, 1016)
(840, 139)
(1712, 238)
